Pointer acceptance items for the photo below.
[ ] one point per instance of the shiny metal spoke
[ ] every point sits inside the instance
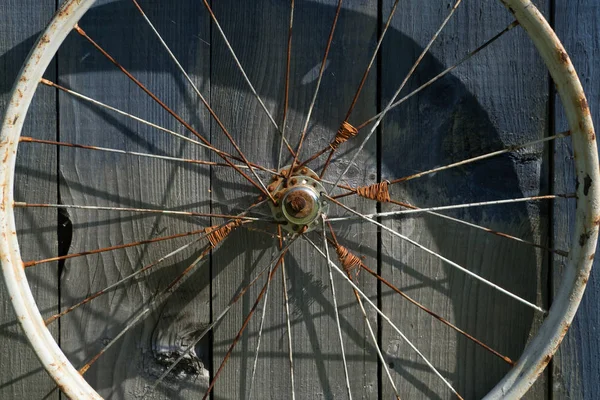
(385, 318)
(260, 186)
(450, 207)
(336, 311)
(219, 318)
(139, 210)
(442, 258)
(390, 104)
(202, 98)
(441, 74)
(318, 86)
(243, 72)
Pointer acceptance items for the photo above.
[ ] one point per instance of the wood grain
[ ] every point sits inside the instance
(261, 48)
(482, 106)
(468, 113)
(575, 368)
(96, 178)
(22, 373)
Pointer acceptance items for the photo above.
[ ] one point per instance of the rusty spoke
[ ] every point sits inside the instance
(314, 98)
(203, 99)
(340, 138)
(145, 122)
(441, 74)
(259, 186)
(335, 243)
(442, 258)
(243, 72)
(138, 210)
(363, 266)
(397, 93)
(385, 318)
(286, 97)
(28, 264)
(273, 265)
(217, 320)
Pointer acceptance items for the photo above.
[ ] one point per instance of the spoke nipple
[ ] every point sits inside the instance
(303, 171)
(294, 181)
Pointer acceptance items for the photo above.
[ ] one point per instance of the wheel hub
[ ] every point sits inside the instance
(299, 199)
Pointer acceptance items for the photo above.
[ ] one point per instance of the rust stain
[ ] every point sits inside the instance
(45, 39)
(583, 104)
(563, 56)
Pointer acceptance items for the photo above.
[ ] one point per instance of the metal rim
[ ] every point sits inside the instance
(536, 355)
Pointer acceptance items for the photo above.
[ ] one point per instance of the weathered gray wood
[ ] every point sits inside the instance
(465, 115)
(96, 178)
(258, 33)
(22, 375)
(576, 367)
(487, 103)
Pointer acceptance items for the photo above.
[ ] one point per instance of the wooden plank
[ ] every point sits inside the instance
(497, 99)
(94, 178)
(261, 47)
(22, 373)
(575, 368)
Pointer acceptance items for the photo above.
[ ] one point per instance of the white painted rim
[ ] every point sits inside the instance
(538, 352)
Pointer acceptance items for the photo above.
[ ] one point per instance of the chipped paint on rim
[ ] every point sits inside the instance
(56, 363)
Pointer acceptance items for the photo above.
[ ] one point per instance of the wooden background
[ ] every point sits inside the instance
(468, 113)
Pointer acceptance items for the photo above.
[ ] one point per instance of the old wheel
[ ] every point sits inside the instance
(321, 227)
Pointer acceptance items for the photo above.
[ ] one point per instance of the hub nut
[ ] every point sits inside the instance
(299, 204)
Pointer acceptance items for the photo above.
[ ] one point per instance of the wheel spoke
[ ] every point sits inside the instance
(385, 317)
(450, 207)
(404, 81)
(362, 265)
(364, 313)
(336, 312)
(364, 79)
(420, 88)
(139, 210)
(508, 149)
(28, 264)
(286, 98)
(314, 98)
(163, 295)
(287, 316)
(26, 139)
(204, 101)
(243, 72)
(444, 259)
(128, 278)
(273, 265)
(175, 115)
(217, 320)
(460, 221)
(441, 74)
(145, 122)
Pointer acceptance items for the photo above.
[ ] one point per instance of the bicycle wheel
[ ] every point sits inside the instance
(218, 207)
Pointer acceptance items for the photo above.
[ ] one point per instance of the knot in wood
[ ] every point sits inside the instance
(345, 132)
(217, 233)
(377, 191)
(349, 261)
